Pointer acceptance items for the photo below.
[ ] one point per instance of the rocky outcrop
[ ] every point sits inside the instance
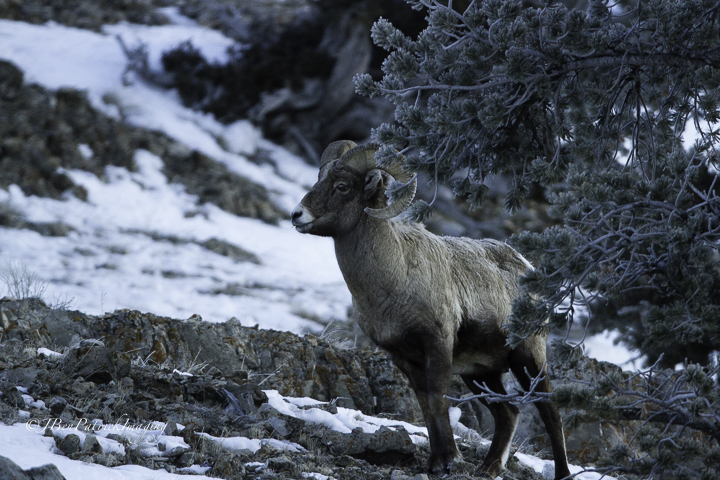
(296, 366)
(210, 377)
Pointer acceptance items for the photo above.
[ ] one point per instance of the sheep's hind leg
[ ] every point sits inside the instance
(505, 416)
(430, 383)
(521, 360)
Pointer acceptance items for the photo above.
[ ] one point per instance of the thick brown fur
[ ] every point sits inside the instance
(436, 304)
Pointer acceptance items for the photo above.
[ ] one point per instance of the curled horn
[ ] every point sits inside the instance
(336, 150)
(362, 158)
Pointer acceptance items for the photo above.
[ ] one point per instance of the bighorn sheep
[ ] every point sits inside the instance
(436, 304)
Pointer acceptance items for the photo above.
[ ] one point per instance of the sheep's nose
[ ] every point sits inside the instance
(296, 214)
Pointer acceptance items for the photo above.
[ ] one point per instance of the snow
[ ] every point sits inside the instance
(57, 56)
(603, 347)
(161, 38)
(29, 448)
(110, 261)
(195, 469)
(86, 151)
(241, 137)
(31, 402)
(144, 201)
(254, 444)
(344, 421)
(63, 430)
(49, 353)
(148, 440)
(547, 468)
(317, 476)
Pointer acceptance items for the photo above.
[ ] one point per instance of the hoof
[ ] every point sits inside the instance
(442, 464)
(492, 471)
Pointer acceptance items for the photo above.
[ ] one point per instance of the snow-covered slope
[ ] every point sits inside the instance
(112, 261)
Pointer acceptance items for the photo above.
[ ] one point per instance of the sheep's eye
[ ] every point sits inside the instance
(342, 188)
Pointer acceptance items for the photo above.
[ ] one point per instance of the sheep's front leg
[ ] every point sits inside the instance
(430, 381)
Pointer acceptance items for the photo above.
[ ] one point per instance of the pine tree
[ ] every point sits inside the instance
(613, 109)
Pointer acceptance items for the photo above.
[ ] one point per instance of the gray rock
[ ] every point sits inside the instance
(11, 80)
(385, 446)
(8, 415)
(106, 459)
(230, 467)
(173, 452)
(245, 398)
(9, 470)
(589, 440)
(96, 363)
(91, 444)
(221, 247)
(278, 426)
(45, 472)
(13, 397)
(282, 464)
(14, 350)
(212, 182)
(186, 459)
(171, 429)
(23, 376)
(50, 229)
(461, 467)
(57, 405)
(69, 445)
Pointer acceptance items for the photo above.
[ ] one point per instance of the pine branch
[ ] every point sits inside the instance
(518, 398)
(638, 60)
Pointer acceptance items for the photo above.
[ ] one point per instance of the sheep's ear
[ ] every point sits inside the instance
(373, 180)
